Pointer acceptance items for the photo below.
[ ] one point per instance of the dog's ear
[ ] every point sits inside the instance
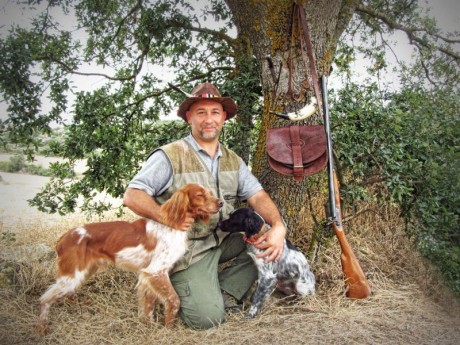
(253, 223)
(174, 210)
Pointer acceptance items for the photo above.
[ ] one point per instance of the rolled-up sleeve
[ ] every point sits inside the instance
(155, 176)
(248, 184)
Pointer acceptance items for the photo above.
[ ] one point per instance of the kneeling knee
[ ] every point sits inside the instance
(205, 319)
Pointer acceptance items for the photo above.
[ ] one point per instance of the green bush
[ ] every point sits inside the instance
(4, 166)
(33, 169)
(17, 164)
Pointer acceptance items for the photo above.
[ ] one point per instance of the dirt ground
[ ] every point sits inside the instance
(409, 303)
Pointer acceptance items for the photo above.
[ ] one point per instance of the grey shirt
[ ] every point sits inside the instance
(156, 175)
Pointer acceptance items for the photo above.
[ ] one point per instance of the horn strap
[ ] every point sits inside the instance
(311, 58)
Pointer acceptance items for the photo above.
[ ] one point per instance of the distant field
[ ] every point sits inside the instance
(16, 189)
(46, 161)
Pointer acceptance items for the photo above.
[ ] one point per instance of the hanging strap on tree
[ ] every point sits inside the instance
(314, 76)
(297, 20)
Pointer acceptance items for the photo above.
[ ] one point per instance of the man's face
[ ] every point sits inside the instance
(207, 118)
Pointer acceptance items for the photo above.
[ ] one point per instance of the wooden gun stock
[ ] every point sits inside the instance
(358, 287)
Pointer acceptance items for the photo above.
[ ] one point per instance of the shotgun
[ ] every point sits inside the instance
(358, 287)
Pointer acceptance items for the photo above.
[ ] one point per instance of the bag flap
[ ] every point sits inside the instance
(313, 143)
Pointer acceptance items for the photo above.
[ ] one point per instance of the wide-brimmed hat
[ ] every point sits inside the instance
(208, 91)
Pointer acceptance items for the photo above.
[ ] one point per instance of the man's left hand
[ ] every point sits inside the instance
(272, 242)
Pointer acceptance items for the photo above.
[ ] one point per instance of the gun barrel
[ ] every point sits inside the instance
(330, 163)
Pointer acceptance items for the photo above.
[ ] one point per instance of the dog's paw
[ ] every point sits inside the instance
(42, 329)
(169, 323)
(145, 317)
(252, 313)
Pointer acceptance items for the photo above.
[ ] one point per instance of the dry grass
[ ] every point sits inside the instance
(409, 304)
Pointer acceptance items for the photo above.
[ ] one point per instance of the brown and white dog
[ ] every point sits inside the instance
(144, 246)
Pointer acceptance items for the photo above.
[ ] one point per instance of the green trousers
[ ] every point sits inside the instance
(200, 286)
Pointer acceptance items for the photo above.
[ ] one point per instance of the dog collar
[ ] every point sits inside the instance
(253, 239)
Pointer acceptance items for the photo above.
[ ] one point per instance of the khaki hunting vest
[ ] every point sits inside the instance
(189, 168)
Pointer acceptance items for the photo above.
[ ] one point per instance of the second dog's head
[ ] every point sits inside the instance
(243, 220)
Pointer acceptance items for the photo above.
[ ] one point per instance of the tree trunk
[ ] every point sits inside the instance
(264, 26)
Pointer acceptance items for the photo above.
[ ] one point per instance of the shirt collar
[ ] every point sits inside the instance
(191, 140)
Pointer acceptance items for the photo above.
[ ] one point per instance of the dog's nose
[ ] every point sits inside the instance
(220, 203)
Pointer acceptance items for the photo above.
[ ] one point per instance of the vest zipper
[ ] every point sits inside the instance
(214, 232)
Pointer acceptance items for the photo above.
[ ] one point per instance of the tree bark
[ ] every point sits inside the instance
(263, 27)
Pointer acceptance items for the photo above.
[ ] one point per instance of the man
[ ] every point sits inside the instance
(200, 158)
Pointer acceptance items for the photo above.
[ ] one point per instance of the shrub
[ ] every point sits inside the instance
(17, 164)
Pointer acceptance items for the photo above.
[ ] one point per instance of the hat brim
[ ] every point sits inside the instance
(228, 104)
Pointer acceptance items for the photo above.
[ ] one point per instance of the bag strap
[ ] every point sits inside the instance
(306, 34)
(297, 168)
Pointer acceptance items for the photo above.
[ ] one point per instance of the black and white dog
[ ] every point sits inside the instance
(291, 274)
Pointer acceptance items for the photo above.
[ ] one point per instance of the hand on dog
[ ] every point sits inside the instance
(272, 242)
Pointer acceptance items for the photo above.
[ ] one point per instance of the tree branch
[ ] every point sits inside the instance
(346, 13)
(218, 34)
(138, 6)
(160, 92)
(171, 24)
(70, 70)
(411, 31)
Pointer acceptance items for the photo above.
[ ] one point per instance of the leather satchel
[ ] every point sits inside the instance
(297, 151)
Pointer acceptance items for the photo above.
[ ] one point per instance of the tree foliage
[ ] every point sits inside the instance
(394, 145)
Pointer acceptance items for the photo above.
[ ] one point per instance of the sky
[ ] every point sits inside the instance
(447, 13)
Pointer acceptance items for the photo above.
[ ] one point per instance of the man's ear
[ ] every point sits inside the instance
(187, 116)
